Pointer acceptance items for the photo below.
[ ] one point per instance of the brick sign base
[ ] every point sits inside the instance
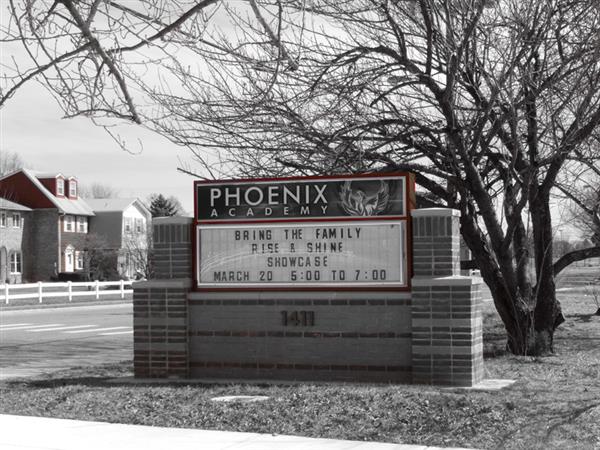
(431, 335)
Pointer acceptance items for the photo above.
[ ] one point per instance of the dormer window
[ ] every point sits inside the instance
(72, 189)
(60, 186)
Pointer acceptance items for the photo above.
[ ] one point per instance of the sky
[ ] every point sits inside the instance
(31, 125)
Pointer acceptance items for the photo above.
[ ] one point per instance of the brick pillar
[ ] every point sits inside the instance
(160, 312)
(447, 347)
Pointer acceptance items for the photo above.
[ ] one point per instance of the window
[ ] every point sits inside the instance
(82, 224)
(15, 262)
(60, 186)
(139, 224)
(69, 225)
(79, 260)
(127, 224)
(2, 219)
(16, 220)
(72, 188)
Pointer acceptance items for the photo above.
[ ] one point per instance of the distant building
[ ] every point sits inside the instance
(55, 233)
(14, 241)
(122, 224)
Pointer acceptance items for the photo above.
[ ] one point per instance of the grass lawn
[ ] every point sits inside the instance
(555, 402)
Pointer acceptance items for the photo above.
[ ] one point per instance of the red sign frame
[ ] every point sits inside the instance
(409, 204)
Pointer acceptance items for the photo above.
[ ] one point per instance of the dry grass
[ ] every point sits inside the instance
(556, 399)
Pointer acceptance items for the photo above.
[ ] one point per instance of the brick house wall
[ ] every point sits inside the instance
(40, 237)
(44, 238)
(76, 239)
(15, 240)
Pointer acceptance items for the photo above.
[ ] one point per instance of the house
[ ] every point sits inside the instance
(122, 225)
(14, 241)
(57, 229)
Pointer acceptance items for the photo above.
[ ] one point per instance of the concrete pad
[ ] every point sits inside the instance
(240, 398)
(37, 433)
(489, 385)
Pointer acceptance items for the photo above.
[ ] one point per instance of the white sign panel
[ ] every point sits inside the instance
(315, 254)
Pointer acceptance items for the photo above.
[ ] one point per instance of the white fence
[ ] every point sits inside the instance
(41, 291)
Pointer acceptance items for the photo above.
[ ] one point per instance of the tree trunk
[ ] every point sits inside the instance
(530, 316)
(521, 336)
(529, 322)
(515, 314)
(548, 313)
(548, 316)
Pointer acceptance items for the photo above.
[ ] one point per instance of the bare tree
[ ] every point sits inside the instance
(140, 250)
(99, 259)
(579, 185)
(589, 220)
(9, 162)
(489, 102)
(96, 57)
(72, 47)
(98, 190)
(583, 191)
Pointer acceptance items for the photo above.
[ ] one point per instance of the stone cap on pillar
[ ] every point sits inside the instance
(436, 235)
(172, 244)
(435, 212)
(452, 280)
(172, 220)
(173, 283)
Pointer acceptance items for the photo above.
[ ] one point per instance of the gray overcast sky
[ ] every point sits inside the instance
(31, 125)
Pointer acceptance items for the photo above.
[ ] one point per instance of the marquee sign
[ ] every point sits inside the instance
(301, 199)
(319, 232)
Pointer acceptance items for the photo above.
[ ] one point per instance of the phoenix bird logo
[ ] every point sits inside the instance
(357, 203)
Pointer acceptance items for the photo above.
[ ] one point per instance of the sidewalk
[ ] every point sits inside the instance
(37, 433)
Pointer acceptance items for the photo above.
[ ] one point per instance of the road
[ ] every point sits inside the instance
(45, 340)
